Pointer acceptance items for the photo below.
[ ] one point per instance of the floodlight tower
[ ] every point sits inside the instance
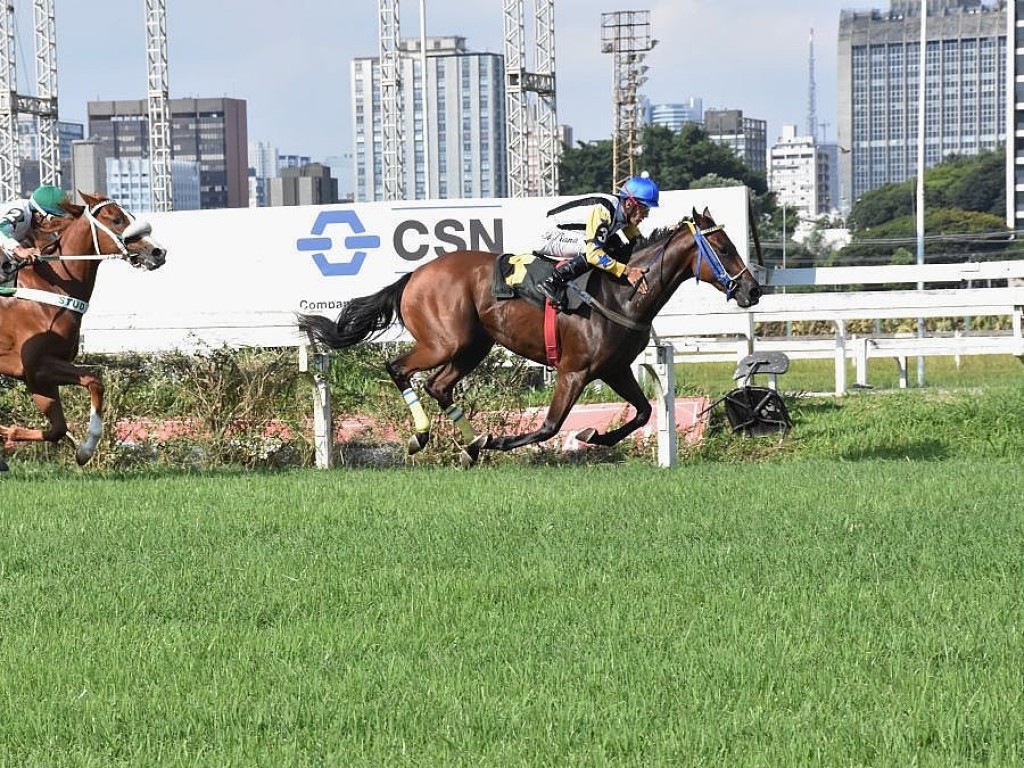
(43, 105)
(627, 36)
(159, 97)
(519, 84)
(391, 106)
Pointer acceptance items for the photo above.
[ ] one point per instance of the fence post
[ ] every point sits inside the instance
(663, 371)
(323, 439)
(840, 356)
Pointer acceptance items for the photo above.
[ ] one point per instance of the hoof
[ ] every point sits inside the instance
(417, 442)
(586, 435)
(470, 453)
(82, 458)
(3, 465)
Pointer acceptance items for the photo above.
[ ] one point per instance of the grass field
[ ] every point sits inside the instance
(849, 596)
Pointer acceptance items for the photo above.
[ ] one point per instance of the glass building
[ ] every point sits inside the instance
(965, 95)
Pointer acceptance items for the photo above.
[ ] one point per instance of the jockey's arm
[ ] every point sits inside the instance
(598, 225)
(8, 241)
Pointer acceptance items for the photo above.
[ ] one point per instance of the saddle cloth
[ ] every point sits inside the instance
(517, 276)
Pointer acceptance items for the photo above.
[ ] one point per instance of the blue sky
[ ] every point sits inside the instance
(290, 61)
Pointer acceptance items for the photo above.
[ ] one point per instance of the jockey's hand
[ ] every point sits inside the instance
(636, 277)
(26, 254)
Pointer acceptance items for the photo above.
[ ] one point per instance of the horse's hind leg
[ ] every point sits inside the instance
(626, 386)
(441, 385)
(420, 358)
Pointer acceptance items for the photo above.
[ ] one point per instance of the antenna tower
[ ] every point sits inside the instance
(812, 96)
(519, 84)
(627, 36)
(159, 99)
(43, 105)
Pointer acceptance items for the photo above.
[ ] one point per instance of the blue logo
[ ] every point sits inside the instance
(356, 243)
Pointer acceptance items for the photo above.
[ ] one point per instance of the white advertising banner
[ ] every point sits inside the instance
(239, 276)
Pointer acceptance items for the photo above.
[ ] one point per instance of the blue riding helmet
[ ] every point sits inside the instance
(642, 189)
(47, 199)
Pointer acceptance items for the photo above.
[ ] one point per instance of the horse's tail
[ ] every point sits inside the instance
(360, 319)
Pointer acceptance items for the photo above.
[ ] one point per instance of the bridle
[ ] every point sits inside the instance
(134, 231)
(705, 251)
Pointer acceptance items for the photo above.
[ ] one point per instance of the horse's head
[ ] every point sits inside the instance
(114, 231)
(718, 262)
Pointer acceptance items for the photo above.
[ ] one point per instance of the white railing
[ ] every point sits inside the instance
(721, 332)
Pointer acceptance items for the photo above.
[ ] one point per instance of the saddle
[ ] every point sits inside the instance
(516, 276)
(755, 411)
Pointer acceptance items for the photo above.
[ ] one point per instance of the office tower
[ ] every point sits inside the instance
(965, 96)
(675, 116)
(1015, 116)
(210, 132)
(456, 126)
(746, 136)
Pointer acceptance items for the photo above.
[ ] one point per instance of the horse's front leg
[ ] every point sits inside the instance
(626, 387)
(568, 387)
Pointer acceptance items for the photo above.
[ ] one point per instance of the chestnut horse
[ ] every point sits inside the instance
(448, 307)
(40, 320)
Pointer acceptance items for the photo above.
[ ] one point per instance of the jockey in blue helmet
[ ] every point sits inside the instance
(18, 220)
(613, 225)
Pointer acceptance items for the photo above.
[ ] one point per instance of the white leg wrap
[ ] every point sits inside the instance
(458, 418)
(92, 437)
(419, 416)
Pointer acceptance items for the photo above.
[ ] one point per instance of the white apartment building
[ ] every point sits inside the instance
(800, 172)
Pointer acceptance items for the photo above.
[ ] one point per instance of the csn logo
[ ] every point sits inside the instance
(355, 244)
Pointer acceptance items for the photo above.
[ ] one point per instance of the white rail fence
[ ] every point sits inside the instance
(711, 331)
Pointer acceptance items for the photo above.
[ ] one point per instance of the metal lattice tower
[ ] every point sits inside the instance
(812, 94)
(43, 106)
(391, 106)
(159, 99)
(627, 36)
(519, 84)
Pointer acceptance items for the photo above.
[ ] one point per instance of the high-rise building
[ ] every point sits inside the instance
(746, 136)
(1015, 117)
(675, 116)
(210, 132)
(454, 129)
(878, 81)
(799, 174)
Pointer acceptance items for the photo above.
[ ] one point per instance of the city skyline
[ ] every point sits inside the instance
(293, 69)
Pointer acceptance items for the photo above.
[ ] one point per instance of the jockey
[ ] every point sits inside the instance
(611, 229)
(18, 220)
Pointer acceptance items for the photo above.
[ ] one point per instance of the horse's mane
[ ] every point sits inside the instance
(657, 235)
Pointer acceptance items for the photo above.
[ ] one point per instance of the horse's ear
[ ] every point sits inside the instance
(695, 215)
(90, 200)
(707, 215)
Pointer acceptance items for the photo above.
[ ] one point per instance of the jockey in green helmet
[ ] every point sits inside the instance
(18, 220)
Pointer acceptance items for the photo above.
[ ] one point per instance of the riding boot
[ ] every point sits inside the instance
(554, 286)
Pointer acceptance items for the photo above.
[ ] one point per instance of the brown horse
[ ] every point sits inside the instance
(448, 307)
(41, 318)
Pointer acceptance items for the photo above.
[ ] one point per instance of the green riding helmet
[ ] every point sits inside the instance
(47, 199)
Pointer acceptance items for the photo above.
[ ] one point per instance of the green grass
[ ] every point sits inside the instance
(846, 596)
(796, 613)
